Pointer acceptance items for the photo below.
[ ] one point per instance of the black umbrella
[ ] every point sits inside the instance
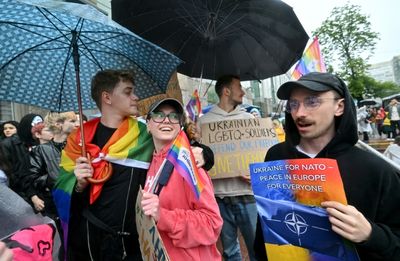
(254, 39)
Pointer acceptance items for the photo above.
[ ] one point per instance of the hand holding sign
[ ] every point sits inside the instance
(347, 221)
(151, 205)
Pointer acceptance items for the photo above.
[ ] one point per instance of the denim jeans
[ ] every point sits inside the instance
(236, 215)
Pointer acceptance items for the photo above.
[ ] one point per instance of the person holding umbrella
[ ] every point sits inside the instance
(95, 195)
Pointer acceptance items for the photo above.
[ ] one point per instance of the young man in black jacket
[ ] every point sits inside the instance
(321, 123)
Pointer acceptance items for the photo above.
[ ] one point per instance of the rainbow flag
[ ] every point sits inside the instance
(130, 145)
(181, 156)
(194, 106)
(288, 194)
(311, 61)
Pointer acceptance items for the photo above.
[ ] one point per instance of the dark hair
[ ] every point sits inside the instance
(107, 80)
(14, 123)
(224, 81)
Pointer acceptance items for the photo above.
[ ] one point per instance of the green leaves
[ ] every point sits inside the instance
(347, 42)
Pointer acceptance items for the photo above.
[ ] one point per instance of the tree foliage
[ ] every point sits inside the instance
(372, 88)
(347, 43)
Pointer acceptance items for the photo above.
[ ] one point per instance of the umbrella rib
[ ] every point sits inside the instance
(114, 51)
(217, 15)
(54, 26)
(104, 45)
(83, 43)
(17, 25)
(190, 19)
(69, 54)
(13, 23)
(52, 15)
(196, 59)
(23, 52)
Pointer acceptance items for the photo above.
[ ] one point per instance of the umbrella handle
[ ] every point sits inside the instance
(104, 179)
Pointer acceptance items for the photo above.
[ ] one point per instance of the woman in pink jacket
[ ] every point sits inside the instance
(189, 227)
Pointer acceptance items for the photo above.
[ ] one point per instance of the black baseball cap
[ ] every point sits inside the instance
(314, 81)
(170, 101)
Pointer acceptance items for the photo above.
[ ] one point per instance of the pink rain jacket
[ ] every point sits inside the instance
(189, 227)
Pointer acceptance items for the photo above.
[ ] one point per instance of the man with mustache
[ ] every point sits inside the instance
(321, 123)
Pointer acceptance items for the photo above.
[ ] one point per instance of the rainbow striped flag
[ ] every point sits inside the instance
(130, 145)
(194, 106)
(311, 61)
(181, 156)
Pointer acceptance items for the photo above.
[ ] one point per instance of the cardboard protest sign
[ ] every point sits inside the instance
(151, 245)
(237, 143)
(289, 195)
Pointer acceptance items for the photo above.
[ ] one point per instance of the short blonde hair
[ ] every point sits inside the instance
(54, 119)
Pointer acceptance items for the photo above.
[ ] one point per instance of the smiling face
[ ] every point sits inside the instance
(316, 124)
(9, 129)
(163, 131)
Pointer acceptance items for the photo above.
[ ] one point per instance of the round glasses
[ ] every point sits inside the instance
(310, 103)
(160, 116)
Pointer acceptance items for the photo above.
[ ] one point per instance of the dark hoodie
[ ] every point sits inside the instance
(371, 185)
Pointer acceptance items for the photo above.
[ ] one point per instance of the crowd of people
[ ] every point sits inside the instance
(92, 197)
(379, 122)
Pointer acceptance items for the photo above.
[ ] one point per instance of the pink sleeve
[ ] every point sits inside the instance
(199, 225)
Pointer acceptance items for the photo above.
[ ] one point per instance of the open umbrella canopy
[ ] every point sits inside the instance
(48, 47)
(254, 39)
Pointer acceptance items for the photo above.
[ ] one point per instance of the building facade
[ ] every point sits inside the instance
(388, 71)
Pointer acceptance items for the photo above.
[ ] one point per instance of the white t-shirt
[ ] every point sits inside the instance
(311, 155)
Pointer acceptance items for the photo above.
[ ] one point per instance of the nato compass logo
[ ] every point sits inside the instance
(296, 223)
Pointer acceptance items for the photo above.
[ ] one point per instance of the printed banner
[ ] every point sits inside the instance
(237, 143)
(289, 195)
(151, 245)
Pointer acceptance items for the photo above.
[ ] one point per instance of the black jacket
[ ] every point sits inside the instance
(44, 167)
(17, 154)
(371, 185)
(42, 174)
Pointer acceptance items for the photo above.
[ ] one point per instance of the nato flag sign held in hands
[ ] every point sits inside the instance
(288, 194)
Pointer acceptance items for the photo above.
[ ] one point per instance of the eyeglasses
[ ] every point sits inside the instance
(310, 103)
(160, 116)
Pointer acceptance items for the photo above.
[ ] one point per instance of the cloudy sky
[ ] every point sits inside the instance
(384, 17)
